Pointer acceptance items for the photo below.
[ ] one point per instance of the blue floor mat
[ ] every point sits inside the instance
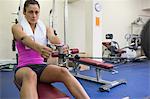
(136, 74)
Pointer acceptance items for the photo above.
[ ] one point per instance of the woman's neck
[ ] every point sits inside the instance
(32, 26)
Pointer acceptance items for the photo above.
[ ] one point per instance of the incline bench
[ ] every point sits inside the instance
(98, 67)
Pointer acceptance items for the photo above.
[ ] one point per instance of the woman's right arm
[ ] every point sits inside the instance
(20, 35)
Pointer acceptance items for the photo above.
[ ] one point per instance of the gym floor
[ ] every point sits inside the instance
(137, 87)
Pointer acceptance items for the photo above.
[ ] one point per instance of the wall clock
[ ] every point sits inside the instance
(97, 7)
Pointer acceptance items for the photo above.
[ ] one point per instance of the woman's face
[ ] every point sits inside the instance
(32, 13)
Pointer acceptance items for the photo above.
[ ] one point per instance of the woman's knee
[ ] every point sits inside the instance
(30, 76)
(25, 74)
(64, 72)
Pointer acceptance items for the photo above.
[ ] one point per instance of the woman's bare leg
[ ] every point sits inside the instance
(53, 73)
(28, 79)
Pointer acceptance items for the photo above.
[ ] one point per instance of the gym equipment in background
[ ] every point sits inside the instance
(52, 17)
(99, 66)
(114, 54)
(7, 65)
(145, 39)
(134, 41)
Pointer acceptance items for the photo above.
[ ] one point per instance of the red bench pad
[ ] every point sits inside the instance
(47, 91)
(88, 61)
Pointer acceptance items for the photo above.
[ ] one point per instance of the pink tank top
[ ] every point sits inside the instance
(27, 56)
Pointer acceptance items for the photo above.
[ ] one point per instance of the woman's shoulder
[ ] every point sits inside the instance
(16, 26)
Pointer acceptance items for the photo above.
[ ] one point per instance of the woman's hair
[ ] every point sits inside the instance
(28, 2)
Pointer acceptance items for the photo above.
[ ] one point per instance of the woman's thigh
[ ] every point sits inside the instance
(53, 73)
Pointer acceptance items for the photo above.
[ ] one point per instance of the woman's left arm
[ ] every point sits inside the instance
(51, 36)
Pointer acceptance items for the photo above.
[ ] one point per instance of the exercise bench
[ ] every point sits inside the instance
(63, 60)
(99, 66)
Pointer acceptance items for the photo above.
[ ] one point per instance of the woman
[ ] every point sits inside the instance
(31, 35)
